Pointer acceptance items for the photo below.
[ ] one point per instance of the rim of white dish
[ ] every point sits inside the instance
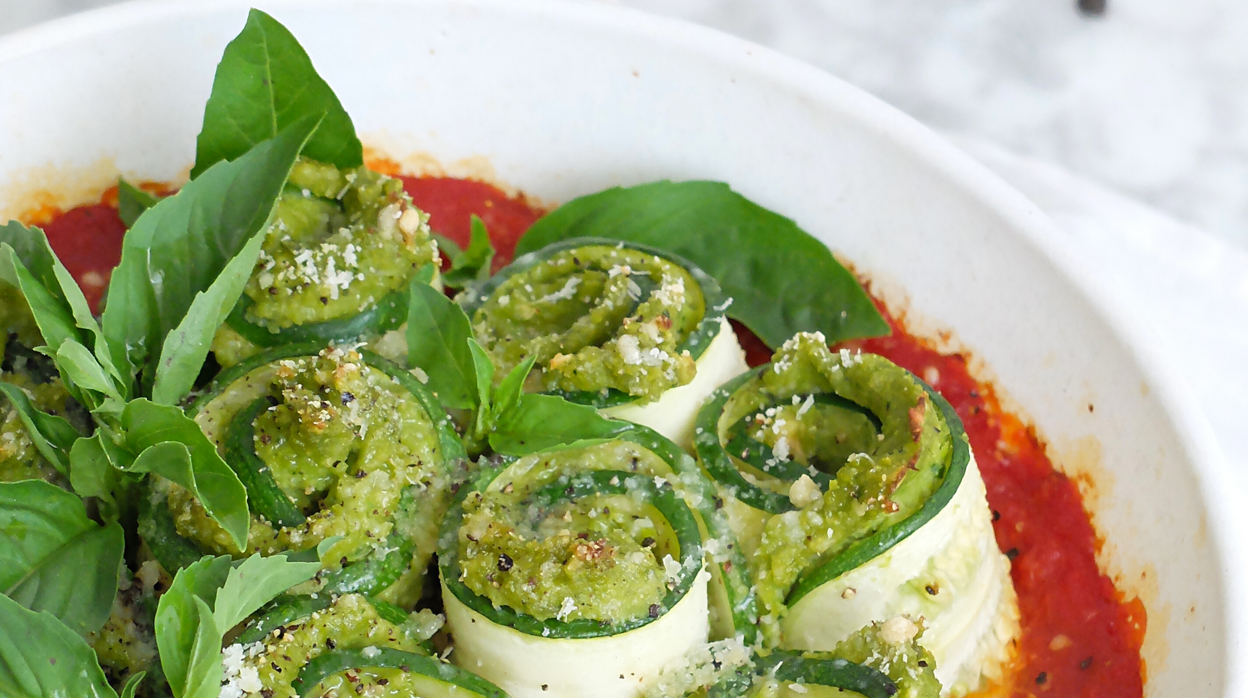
(1215, 481)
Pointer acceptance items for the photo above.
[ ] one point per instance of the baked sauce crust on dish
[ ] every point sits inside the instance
(1080, 635)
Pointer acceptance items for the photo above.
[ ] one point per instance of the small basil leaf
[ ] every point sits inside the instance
(181, 637)
(483, 375)
(473, 263)
(447, 248)
(180, 452)
(255, 582)
(177, 250)
(81, 368)
(52, 435)
(540, 422)
(264, 83)
(56, 302)
(132, 684)
(96, 469)
(507, 396)
(132, 202)
(437, 343)
(782, 280)
(41, 658)
(54, 558)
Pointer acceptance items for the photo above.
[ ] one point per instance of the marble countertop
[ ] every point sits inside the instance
(1145, 102)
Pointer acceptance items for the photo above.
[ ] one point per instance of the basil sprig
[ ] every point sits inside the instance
(459, 371)
(205, 600)
(781, 279)
(471, 264)
(265, 83)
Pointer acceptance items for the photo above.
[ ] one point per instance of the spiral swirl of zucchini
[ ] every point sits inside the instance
(583, 570)
(340, 446)
(342, 645)
(636, 332)
(335, 265)
(851, 485)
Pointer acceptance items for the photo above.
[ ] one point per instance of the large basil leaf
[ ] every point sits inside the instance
(55, 559)
(178, 248)
(437, 343)
(205, 600)
(782, 280)
(41, 658)
(52, 435)
(264, 83)
(172, 445)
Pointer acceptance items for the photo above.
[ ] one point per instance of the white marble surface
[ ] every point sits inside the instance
(1150, 99)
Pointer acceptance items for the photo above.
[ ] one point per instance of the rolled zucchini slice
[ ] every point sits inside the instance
(852, 487)
(583, 571)
(344, 645)
(338, 445)
(881, 660)
(336, 263)
(636, 332)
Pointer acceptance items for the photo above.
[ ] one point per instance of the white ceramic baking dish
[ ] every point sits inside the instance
(563, 99)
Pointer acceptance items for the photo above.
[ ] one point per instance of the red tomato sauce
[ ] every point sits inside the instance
(1081, 637)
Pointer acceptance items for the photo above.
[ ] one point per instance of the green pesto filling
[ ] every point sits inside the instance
(852, 440)
(599, 557)
(339, 242)
(270, 666)
(596, 318)
(343, 441)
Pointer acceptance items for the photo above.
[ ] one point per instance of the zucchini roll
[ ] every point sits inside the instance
(583, 570)
(338, 646)
(335, 265)
(340, 446)
(852, 487)
(636, 332)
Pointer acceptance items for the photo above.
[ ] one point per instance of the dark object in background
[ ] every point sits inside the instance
(1092, 8)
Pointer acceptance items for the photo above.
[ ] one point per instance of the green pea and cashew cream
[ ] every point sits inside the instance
(338, 446)
(336, 263)
(852, 487)
(627, 328)
(579, 570)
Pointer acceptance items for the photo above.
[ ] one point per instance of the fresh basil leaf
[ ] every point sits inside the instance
(782, 280)
(132, 202)
(185, 348)
(264, 83)
(316, 554)
(255, 582)
(81, 368)
(473, 263)
(52, 435)
(173, 446)
(97, 469)
(187, 637)
(178, 248)
(507, 396)
(56, 302)
(540, 422)
(483, 372)
(437, 343)
(54, 558)
(205, 600)
(41, 658)
(132, 684)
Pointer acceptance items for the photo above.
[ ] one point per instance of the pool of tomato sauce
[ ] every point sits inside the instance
(1081, 637)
